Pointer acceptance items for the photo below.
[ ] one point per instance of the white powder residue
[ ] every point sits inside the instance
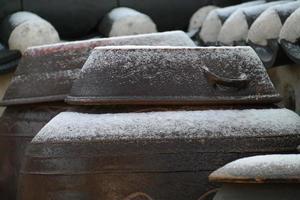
(230, 33)
(143, 56)
(121, 12)
(31, 33)
(199, 16)
(266, 167)
(211, 27)
(196, 57)
(133, 25)
(213, 24)
(62, 75)
(291, 28)
(72, 126)
(266, 26)
(126, 21)
(177, 38)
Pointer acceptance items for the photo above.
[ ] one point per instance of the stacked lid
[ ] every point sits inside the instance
(46, 73)
(173, 75)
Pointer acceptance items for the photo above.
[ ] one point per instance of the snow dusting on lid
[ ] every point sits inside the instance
(177, 38)
(172, 75)
(260, 169)
(75, 127)
(51, 69)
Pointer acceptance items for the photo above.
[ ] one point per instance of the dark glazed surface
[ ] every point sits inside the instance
(122, 154)
(18, 125)
(56, 66)
(258, 192)
(173, 75)
(111, 172)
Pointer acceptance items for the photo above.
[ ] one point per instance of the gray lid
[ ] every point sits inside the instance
(46, 73)
(173, 76)
(260, 169)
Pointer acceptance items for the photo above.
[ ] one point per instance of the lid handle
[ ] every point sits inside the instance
(238, 83)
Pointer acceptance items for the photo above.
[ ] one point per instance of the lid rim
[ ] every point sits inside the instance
(258, 180)
(171, 100)
(32, 100)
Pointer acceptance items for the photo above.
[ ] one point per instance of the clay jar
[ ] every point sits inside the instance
(85, 154)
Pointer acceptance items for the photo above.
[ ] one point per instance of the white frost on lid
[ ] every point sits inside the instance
(291, 28)
(212, 24)
(169, 37)
(126, 21)
(121, 12)
(211, 27)
(74, 127)
(230, 33)
(144, 55)
(31, 32)
(266, 26)
(199, 16)
(266, 167)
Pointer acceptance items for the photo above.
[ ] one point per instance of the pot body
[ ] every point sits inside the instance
(98, 171)
(164, 155)
(259, 192)
(18, 125)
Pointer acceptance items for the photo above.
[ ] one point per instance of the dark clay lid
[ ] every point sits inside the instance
(260, 169)
(46, 73)
(173, 76)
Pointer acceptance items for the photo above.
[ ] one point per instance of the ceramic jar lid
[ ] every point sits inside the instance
(173, 76)
(260, 169)
(248, 123)
(46, 73)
